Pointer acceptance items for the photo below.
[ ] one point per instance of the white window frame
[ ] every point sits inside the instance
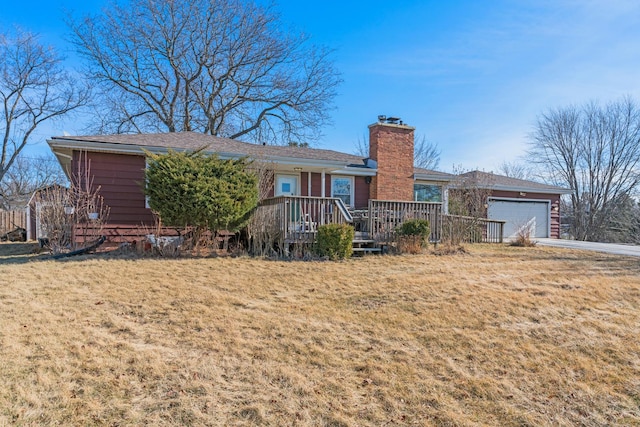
(351, 187)
(298, 179)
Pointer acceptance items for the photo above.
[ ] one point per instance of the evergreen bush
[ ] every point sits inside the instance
(191, 189)
(335, 241)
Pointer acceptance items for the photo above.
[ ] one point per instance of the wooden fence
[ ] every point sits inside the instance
(465, 229)
(10, 220)
(385, 216)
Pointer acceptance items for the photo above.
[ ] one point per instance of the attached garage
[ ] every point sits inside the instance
(520, 213)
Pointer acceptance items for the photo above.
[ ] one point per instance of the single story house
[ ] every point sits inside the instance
(117, 164)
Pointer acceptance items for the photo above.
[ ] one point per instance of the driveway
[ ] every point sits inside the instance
(609, 248)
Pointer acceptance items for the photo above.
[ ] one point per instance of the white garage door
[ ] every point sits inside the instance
(519, 214)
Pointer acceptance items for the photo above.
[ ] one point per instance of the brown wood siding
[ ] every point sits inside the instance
(304, 186)
(121, 179)
(361, 192)
(316, 185)
(119, 232)
(555, 206)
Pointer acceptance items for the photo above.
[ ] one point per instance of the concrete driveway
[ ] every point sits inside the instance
(609, 248)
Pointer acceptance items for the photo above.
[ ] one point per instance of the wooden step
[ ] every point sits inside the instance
(363, 241)
(366, 250)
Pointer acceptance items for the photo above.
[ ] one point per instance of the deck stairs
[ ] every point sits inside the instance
(362, 244)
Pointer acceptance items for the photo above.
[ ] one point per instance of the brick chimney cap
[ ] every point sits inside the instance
(393, 125)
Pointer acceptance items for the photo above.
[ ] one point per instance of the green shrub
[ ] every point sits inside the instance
(415, 227)
(191, 189)
(335, 241)
(413, 235)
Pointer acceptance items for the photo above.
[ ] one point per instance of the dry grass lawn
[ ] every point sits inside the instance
(498, 336)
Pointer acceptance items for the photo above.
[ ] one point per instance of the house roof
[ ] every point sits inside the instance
(333, 161)
(225, 147)
(431, 175)
(501, 182)
(195, 141)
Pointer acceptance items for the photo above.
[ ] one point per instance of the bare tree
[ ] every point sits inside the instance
(34, 89)
(426, 154)
(595, 151)
(73, 217)
(26, 175)
(467, 207)
(516, 170)
(227, 68)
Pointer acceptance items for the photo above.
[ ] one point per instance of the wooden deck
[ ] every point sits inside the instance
(295, 220)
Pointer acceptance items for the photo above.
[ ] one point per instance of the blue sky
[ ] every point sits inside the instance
(471, 76)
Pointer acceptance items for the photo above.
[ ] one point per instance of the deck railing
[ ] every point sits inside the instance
(385, 216)
(298, 217)
(283, 220)
(466, 229)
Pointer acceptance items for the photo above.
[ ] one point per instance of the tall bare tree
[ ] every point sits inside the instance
(34, 89)
(222, 67)
(595, 151)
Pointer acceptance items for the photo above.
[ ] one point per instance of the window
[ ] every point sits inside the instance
(427, 193)
(342, 188)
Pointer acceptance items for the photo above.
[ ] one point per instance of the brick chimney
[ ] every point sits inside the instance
(391, 146)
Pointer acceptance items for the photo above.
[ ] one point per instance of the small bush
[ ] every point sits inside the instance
(523, 237)
(413, 235)
(415, 227)
(335, 241)
(523, 240)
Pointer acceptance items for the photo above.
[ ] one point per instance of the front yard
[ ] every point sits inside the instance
(497, 336)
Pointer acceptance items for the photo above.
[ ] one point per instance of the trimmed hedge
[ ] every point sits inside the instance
(335, 241)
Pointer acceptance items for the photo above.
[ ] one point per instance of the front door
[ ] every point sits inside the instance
(286, 185)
